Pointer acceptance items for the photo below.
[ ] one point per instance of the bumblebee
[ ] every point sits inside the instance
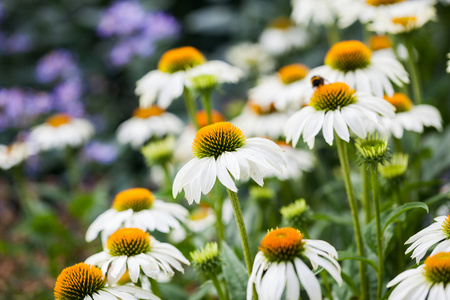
(317, 81)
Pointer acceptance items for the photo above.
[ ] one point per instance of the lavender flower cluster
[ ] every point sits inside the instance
(134, 30)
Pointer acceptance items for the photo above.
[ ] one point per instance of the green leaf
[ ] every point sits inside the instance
(202, 291)
(350, 283)
(438, 198)
(234, 272)
(346, 255)
(392, 216)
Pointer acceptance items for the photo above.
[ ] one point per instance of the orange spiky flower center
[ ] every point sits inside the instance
(408, 21)
(202, 118)
(217, 138)
(282, 23)
(348, 56)
(446, 226)
(147, 112)
(437, 268)
(379, 42)
(382, 2)
(78, 281)
(58, 120)
(180, 59)
(260, 110)
(128, 242)
(332, 96)
(282, 244)
(401, 102)
(292, 73)
(136, 198)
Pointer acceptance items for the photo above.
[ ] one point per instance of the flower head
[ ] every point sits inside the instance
(279, 263)
(180, 59)
(159, 152)
(206, 260)
(395, 168)
(297, 214)
(373, 149)
(221, 150)
(251, 58)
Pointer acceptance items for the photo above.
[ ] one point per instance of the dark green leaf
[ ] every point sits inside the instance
(234, 272)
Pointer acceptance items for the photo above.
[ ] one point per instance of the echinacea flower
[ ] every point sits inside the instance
(336, 107)
(146, 123)
(428, 281)
(86, 282)
(61, 130)
(288, 88)
(317, 12)
(206, 260)
(352, 62)
(175, 68)
(133, 250)
(261, 121)
(395, 168)
(222, 151)
(280, 264)
(15, 153)
(409, 117)
(251, 58)
(437, 233)
(137, 207)
(298, 160)
(282, 36)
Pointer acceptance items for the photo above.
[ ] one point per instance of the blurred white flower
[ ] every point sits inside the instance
(250, 58)
(298, 160)
(317, 12)
(15, 153)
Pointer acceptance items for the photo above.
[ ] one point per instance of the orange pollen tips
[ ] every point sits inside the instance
(382, 2)
(78, 281)
(58, 120)
(348, 56)
(281, 23)
(202, 118)
(379, 42)
(446, 226)
(332, 96)
(292, 73)
(128, 242)
(282, 244)
(260, 110)
(401, 102)
(405, 21)
(144, 113)
(437, 268)
(137, 199)
(180, 59)
(217, 138)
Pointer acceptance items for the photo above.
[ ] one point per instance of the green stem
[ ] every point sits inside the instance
(366, 193)
(343, 158)
(398, 144)
(72, 169)
(155, 287)
(376, 204)
(333, 34)
(219, 209)
(242, 231)
(218, 287)
(327, 285)
(21, 189)
(190, 107)
(167, 177)
(414, 72)
(206, 99)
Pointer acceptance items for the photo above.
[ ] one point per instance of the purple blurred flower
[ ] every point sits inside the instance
(121, 53)
(160, 25)
(38, 103)
(58, 64)
(67, 92)
(122, 18)
(18, 43)
(99, 152)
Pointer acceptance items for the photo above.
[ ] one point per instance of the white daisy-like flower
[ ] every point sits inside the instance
(201, 218)
(86, 282)
(428, 281)
(133, 250)
(403, 17)
(258, 121)
(409, 117)
(15, 153)
(352, 62)
(282, 36)
(61, 130)
(336, 107)
(318, 12)
(146, 123)
(251, 58)
(222, 151)
(280, 264)
(436, 233)
(137, 207)
(173, 75)
(381, 45)
(286, 89)
(298, 160)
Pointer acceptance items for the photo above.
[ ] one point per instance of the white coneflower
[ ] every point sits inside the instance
(298, 160)
(15, 153)
(61, 130)
(428, 281)
(146, 123)
(436, 233)
(86, 282)
(175, 68)
(222, 151)
(137, 207)
(317, 12)
(279, 264)
(251, 58)
(133, 250)
(286, 89)
(336, 107)
(352, 62)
